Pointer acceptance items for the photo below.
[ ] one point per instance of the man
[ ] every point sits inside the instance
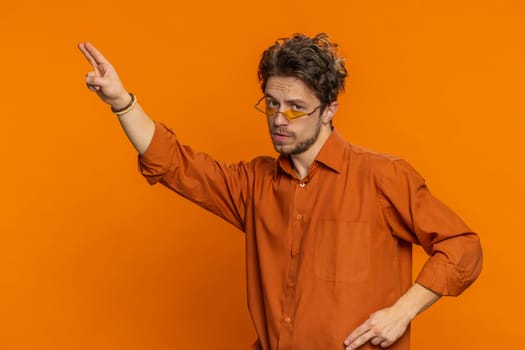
(329, 225)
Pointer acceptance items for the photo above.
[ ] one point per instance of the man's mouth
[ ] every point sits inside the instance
(281, 135)
(281, 132)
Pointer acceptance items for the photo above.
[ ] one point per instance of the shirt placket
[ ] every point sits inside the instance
(299, 219)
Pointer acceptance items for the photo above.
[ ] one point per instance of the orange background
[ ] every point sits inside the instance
(91, 257)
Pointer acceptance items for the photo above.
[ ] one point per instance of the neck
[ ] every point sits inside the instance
(303, 161)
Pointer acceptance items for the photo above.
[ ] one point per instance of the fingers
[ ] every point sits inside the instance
(95, 82)
(382, 328)
(99, 63)
(359, 336)
(95, 54)
(371, 337)
(93, 88)
(360, 330)
(89, 57)
(376, 340)
(386, 343)
(361, 340)
(366, 332)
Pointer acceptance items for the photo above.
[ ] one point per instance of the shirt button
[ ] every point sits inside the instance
(299, 217)
(291, 284)
(302, 184)
(288, 319)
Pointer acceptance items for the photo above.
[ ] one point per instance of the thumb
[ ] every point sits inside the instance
(93, 80)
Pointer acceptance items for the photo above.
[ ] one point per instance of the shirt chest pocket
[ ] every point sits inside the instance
(342, 251)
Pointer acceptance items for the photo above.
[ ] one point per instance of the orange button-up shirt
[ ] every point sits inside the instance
(323, 252)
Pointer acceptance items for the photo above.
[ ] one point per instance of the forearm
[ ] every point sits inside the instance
(416, 299)
(139, 128)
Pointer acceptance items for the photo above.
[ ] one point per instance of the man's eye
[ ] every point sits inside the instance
(272, 104)
(297, 107)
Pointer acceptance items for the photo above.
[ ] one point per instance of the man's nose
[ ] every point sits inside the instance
(280, 119)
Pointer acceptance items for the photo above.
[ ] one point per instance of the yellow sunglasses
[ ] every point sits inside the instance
(289, 114)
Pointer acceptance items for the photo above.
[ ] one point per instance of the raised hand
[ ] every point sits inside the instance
(103, 79)
(105, 82)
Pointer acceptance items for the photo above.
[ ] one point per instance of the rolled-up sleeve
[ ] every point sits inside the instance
(415, 215)
(218, 187)
(155, 162)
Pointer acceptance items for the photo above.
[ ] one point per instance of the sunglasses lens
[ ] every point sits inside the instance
(290, 114)
(270, 112)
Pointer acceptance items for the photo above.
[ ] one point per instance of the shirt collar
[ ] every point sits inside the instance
(330, 155)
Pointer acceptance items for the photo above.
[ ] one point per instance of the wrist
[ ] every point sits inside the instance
(407, 309)
(131, 104)
(415, 300)
(121, 102)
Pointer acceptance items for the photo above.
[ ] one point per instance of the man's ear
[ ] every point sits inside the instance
(329, 112)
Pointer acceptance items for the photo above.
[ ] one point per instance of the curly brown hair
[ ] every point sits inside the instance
(313, 60)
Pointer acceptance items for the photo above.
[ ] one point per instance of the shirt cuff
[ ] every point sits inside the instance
(442, 278)
(155, 162)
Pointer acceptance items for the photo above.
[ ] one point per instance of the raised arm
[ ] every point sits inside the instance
(104, 81)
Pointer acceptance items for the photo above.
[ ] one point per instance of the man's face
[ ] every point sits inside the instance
(294, 136)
